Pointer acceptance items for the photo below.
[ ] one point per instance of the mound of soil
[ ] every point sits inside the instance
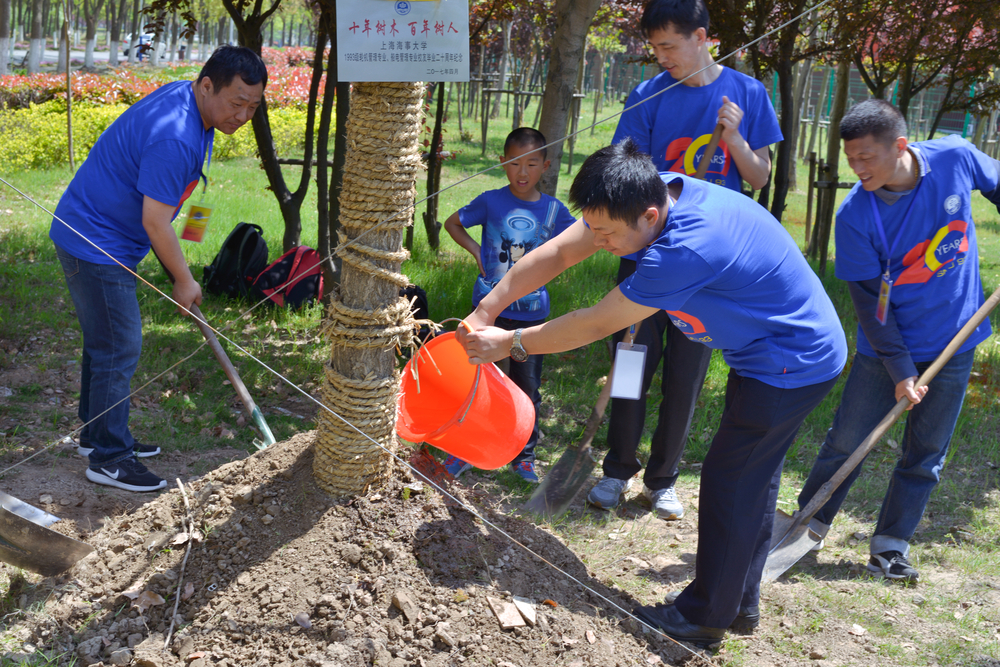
(280, 574)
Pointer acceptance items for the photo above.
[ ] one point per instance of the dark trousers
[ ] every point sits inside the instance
(528, 376)
(685, 364)
(739, 492)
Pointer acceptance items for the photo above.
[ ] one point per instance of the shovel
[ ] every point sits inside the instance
(565, 479)
(27, 542)
(796, 539)
(227, 367)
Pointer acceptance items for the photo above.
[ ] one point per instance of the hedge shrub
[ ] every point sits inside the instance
(35, 137)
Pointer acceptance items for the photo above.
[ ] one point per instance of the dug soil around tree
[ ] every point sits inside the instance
(269, 570)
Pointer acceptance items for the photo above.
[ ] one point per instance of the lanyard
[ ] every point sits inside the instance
(899, 234)
(207, 138)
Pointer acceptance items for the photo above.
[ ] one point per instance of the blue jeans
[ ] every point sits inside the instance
(108, 311)
(528, 376)
(868, 396)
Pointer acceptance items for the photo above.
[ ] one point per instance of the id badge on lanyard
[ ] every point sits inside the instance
(198, 214)
(630, 361)
(885, 290)
(882, 311)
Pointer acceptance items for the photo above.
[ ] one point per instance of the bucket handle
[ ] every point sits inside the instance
(479, 373)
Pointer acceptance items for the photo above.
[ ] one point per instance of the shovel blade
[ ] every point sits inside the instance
(26, 541)
(792, 540)
(563, 481)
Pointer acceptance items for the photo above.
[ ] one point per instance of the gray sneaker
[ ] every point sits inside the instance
(664, 502)
(607, 492)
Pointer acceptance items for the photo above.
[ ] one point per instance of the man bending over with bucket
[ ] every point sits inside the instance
(731, 278)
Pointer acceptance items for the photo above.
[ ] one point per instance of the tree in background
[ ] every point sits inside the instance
(573, 19)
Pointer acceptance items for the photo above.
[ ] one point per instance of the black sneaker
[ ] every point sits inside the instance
(893, 565)
(140, 450)
(128, 474)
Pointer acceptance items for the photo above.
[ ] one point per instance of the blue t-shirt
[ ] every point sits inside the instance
(731, 277)
(513, 227)
(675, 127)
(155, 149)
(935, 263)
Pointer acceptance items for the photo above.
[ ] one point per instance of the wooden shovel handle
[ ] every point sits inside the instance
(706, 157)
(826, 491)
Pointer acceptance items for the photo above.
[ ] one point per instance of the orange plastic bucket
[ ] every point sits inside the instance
(473, 412)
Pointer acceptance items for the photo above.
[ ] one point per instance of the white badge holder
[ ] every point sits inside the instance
(626, 380)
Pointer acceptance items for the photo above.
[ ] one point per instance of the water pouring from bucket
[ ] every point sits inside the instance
(474, 412)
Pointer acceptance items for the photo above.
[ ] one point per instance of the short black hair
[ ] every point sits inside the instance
(875, 118)
(685, 16)
(525, 137)
(227, 61)
(619, 180)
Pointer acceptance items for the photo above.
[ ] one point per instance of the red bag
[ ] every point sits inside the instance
(300, 271)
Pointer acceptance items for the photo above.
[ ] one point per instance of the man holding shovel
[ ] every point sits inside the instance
(674, 127)
(121, 202)
(733, 279)
(906, 245)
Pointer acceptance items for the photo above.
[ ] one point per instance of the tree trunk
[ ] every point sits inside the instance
(91, 12)
(69, 96)
(325, 26)
(116, 19)
(573, 19)
(599, 91)
(37, 48)
(502, 79)
(833, 157)
(174, 36)
(803, 103)
(62, 61)
(369, 319)
(249, 31)
(4, 36)
(431, 224)
(789, 120)
(154, 51)
(330, 238)
(818, 113)
(134, 39)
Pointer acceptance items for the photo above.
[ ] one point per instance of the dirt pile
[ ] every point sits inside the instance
(281, 574)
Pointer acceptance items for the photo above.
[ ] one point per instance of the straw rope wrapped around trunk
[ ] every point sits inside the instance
(368, 319)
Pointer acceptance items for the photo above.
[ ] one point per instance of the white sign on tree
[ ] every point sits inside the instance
(397, 40)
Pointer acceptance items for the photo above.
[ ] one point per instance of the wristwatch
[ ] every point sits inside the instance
(517, 351)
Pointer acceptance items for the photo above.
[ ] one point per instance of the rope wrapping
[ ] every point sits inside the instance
(368, 320)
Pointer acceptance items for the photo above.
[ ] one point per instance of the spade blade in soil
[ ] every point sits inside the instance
(27, 542)
(792, 540)
(562, 482)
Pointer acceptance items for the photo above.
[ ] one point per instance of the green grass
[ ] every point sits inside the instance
(186, 398)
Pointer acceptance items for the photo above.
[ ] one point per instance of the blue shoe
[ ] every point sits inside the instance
(526, 471)
(455, 466)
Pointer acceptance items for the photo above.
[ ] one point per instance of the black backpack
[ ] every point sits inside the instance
(241, 258)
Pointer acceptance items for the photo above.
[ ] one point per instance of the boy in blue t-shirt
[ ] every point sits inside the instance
(907, 223)
(731, 278)
(515, 220)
